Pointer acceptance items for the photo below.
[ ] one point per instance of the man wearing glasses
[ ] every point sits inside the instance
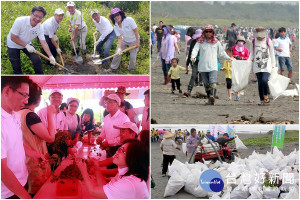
(23, 31)
(110, 136)
(14, 174)
(60, 121)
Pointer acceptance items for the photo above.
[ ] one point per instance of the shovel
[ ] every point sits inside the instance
(94, 55)
(42, 55)
(61, 59)
(99, 61)
(77, 59)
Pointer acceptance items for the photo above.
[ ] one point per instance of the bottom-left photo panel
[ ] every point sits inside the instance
(77, 137)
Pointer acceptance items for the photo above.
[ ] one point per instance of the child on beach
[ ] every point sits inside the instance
(174, 72)
(227, 67)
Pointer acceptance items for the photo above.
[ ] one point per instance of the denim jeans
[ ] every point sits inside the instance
(165, 67)
(194, 76)
(285, 61)
(262, 80)
(81, 36)
(14, 57)
(108, 40)
(210, 79)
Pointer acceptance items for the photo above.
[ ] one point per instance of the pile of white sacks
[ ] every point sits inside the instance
(187, 176)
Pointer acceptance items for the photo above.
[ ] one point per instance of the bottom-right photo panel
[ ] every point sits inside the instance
(225, 161)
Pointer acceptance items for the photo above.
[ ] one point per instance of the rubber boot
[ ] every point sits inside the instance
(208, 95)
(212, 96)
(165, 81)
(169, 79)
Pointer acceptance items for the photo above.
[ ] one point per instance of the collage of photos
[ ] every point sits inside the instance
(149, 99)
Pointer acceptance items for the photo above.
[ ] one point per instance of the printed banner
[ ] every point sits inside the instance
(278, 136)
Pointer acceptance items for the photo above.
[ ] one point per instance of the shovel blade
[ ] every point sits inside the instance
(78, 59)
(94, 56)
(97, 62)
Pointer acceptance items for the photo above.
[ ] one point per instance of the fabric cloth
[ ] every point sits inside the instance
(244, 54)
(126, 30)
(284, 44)
(15, 59)
(190, 143)
(209, 78)
(73, 125)
(174, 72)
(50, 27)
(194, 76)
(159, 33)
(168, 146)
(112, 135)
(167, 50)
(60, 121)
(25, 32)
(126, 187)
(76, 19)
(231, 34)
(228, 83)
(12, 149)
(37, 175)
(208, 55)
(104, 27)
(51, 47)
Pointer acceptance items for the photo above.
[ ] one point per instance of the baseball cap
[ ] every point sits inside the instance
(59, 11)
(113, 97)
(129, 125)
(55, 90)
(70, 3)
(93, 11)
(69, 100)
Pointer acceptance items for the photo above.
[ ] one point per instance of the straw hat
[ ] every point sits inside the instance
(168, 134)
(240, 38)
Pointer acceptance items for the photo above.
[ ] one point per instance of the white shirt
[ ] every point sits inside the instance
(76, 19)
(60, 121)
(72, 121)
(25, 32)
(112, 135)
(126, 187)
(284, 44)
(104, 27)
(12, 149)
(168, 146)
(128, 25)
(50, 27)
(275, 43)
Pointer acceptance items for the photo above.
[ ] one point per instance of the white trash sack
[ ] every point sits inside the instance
(277, 83)
(240, 74)
(183, 146)
(271, 193)
(239, 144)
(175, 183)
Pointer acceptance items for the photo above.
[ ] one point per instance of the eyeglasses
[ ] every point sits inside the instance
(25, 96)
(208, 31)
(121, 149)
(110, 101)
(38, 17)
(116, 15)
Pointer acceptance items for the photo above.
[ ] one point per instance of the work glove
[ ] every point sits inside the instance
(193, 59)
(55, 38)
(30, 48)
(119, 51)
(58, 50)
(52, 62)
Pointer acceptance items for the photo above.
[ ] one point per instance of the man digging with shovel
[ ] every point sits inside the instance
(107, 36)
(23, 31)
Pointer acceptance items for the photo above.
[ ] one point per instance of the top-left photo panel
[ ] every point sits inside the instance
(75, 37)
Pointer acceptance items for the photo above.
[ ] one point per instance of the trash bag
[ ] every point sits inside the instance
(271, 193)
(239, 144)
(175, 183)
(240, 74)
(183, 146)
(277, 83)
(255, 192)
(290, 93)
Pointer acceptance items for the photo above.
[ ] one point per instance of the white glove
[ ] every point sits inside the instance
(193, 59)
(119, 51)
(30, 48)
(55, 38)
(58, 50)
(230, 59)
(52, 60)
(96, 43)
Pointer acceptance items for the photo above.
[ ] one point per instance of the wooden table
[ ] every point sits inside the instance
(48, 190)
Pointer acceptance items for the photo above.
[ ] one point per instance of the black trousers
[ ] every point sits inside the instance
(110, 151)
(15, 59)
(177, 81)
(167, 159)
(51, 46)
(228, 83)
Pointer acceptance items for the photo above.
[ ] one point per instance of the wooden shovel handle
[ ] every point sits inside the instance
(42, 55)
(61, 59)
(116, 54)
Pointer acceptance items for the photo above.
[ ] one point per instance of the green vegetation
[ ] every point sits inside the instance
(139, 11)
(290, 136)
(243, 14)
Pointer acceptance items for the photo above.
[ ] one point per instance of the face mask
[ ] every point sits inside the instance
(240, 43)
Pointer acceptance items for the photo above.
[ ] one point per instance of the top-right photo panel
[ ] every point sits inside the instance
(224, 62)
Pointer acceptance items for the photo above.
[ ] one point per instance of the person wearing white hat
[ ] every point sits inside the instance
(51, 26)
(60, 121)
(24, 30)
(110, 136)
(73, 119)
(128, 130)
(77, 26)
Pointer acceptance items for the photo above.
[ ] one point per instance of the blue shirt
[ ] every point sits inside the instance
(212, 138)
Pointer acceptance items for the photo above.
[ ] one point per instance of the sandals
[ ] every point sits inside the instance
(267, 100)
(262, 103)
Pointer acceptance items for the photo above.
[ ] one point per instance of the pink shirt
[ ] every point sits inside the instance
(60, 120)
(244, 53)
(108, 132)
(126, 187)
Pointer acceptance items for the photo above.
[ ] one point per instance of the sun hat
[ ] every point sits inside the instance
(197, 34)
(93, 11)
(114, 11)
(69, 100)
(129, 125)
(240, 38)
(54, 91)
(114, 97)
(260, 32)
(122, 90)
(59, 11)
(168, 134)
(70, 3)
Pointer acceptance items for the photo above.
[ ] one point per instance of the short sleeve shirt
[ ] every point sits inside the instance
(60, 121)
(104, 27)
(128, 25)
(25, 32)
(168, 146)
(12, 149)
(284, 44)
(50, 27)
(76, 19)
